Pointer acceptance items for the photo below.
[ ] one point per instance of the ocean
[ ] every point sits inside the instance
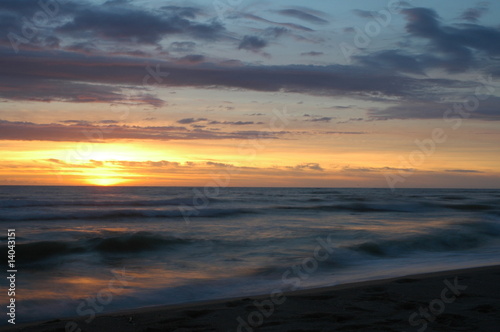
(81, 251)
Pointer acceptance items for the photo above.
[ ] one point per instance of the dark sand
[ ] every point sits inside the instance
(382, 305)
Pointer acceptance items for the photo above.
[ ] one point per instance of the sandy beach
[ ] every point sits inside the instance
(460, 300)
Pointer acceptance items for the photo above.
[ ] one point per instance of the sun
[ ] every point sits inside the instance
(105, 181)
(103, 177)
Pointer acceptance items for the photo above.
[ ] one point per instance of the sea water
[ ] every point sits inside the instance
(88, 250)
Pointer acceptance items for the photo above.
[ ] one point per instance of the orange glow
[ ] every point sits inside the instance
(105, 181)
(103, 176)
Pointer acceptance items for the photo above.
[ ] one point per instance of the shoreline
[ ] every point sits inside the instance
(435, 300)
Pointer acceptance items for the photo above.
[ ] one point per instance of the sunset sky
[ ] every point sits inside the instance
(250, 93)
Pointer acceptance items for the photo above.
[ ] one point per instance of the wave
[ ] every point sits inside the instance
(471, 207)
(136, 242)
(36, 251)
(470, 236)
(126, 214)
(22, 203)
(356, 207)
(126, 243)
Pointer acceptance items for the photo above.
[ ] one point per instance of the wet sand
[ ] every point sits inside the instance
(460, 300)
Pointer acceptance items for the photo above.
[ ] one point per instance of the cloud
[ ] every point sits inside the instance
(252, 43)
(88, 132)
(392, 60)
(190, 12)
(215, 122)
(303, 15)
(308, 166)
(344, 132)
(351, 120)
(453, 45)
(145, 164)
(364, 13)
(137, 25)
(184, 47)
(312, 53)
(190, 120)
(487, 110)
(63, 76)
(474, 14)
(191, 59)
(25, 78)
(236, 123)
(462, 171)
(49, 90)
(321, 119)
(286, 25)
(349, 169)
(211, 163)
(275, 32)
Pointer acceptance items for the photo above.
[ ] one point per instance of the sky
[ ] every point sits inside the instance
(296, 93)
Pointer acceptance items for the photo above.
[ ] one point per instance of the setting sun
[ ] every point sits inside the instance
(102, 176)
(105, 181)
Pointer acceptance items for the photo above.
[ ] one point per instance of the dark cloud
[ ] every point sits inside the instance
(312, 53)
(275, 32)
(488, 109)
(474, 14)
(83, 47)
(191, 120)
(462, 171)
(236, 123)
(211, 163)
(191, 59)
(84, 132)
(28, 9)
(54, 76)
(308, 166)
(351, 120)
(52, 42)
(350, 169)
(145, 164)
(28, 24)
(453, 45)
(47, 90)
(392, 60)
(76, 122)
(186, 46)
(252, 43)
(211, 31)
(286, 25)
(215, 122)
(189, 12)
(303, 15)
(133, 25)
(363, 13)
(322, 119)
(344, 132)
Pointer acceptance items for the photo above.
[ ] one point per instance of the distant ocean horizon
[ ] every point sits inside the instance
(128, 247)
